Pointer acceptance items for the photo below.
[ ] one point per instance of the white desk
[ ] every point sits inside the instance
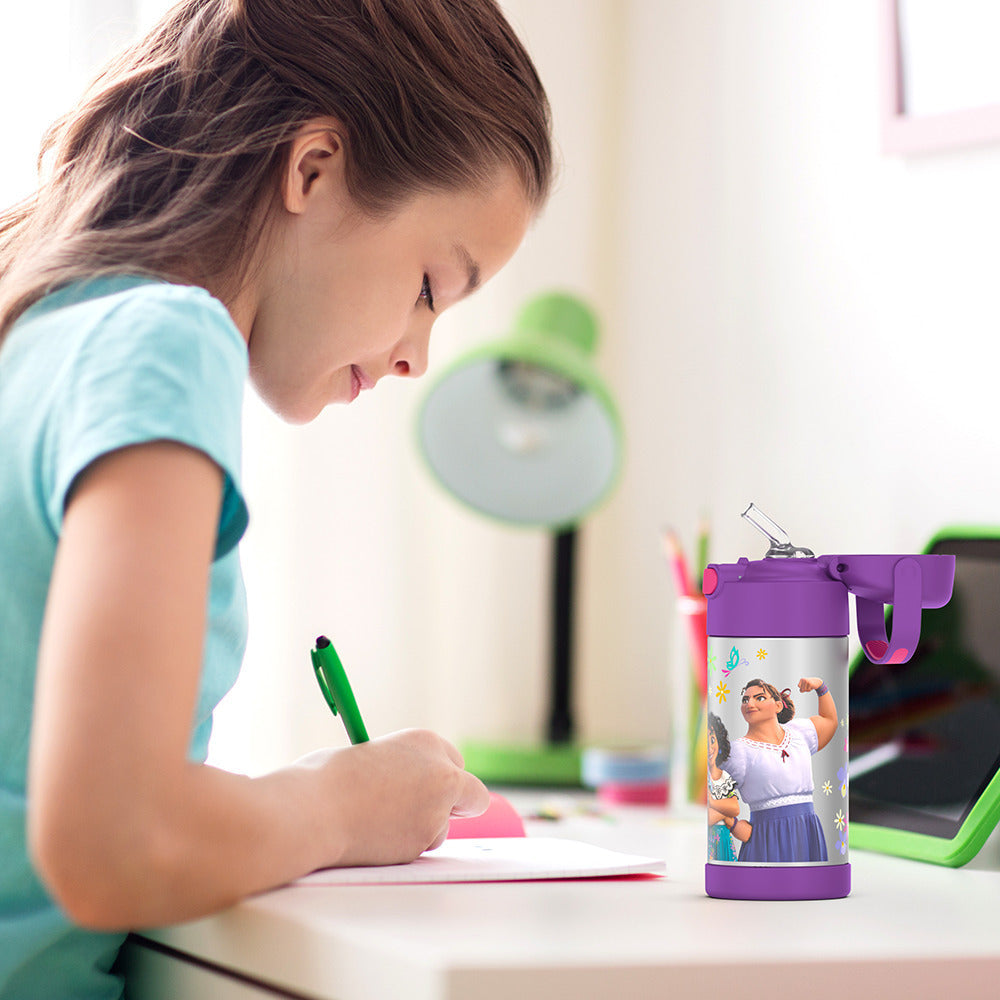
(908, 930)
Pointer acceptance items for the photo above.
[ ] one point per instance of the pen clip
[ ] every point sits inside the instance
(324, 684)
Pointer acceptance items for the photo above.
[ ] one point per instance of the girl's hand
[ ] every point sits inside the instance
(809, 683)
(388, 801)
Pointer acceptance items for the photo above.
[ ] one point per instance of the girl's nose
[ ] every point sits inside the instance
(410, 358)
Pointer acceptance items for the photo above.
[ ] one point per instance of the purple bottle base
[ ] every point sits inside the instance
(752, 882)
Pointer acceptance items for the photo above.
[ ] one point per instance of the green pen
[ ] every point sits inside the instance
(336, 689)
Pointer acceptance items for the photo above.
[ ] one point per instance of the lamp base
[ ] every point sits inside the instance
(552, 764)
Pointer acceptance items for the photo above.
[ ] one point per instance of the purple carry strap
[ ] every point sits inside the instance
(908, 583)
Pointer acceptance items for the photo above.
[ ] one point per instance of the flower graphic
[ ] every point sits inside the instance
(761, 654)
(827, 788)
(842, 778)
(841, 820)
(842, 841)
(711, 663)
(721, 691)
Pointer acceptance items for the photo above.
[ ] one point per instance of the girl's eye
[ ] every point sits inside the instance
(426, 295)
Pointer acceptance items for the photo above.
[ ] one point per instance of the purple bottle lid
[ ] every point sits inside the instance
(774, 597)
(803, 597)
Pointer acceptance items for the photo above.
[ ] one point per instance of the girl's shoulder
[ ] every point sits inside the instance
(805, 730)
(130, 305)
(120, 323)
(722, 787)
(143, 304)
(739, 748)
(803, 725)
(124, 361)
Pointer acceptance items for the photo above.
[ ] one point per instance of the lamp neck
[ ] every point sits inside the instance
(563, 577)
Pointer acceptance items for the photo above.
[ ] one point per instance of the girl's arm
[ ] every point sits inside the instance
(826, 721)
(741, 830)
(728, 806)
(714, 816)
(125, 831)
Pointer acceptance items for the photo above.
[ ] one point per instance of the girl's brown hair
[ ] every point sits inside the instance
(170, 163)
(716, 725)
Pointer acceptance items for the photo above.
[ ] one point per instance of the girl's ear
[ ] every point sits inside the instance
(315, 163)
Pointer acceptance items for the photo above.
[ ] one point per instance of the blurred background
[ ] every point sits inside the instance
(789, 315)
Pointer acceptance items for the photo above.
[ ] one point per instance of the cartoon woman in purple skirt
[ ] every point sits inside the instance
(772, 767)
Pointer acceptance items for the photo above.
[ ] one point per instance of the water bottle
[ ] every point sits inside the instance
(777, 705)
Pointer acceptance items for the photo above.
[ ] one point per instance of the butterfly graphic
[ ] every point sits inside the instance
(733, 662)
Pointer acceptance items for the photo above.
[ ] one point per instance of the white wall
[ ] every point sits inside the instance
(790, 317)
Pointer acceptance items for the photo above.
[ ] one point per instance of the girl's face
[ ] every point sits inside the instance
(758, 705)
(713, 746)
(343, 300)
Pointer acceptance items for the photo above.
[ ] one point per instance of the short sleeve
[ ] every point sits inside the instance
(724, 788)
(736, 763)
(807, 730)
(161, 362)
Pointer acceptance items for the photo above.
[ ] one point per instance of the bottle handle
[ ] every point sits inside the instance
(908, 583)
(906, 601)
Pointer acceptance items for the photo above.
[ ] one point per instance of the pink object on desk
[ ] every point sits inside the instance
(654, 793)
(501, 819)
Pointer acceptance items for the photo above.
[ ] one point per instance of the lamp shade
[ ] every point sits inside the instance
(523, 429)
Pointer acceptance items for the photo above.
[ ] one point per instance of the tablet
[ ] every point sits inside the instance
(925, 735)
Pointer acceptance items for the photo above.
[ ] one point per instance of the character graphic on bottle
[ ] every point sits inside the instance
(723, 806)
(772, 768)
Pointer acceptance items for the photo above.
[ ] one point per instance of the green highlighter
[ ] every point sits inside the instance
(336, 689)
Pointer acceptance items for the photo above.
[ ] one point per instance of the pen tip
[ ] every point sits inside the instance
(322, 642)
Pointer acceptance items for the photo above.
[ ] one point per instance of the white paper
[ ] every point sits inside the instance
(499, 859)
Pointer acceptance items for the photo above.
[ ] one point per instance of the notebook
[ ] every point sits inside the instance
(495, 859)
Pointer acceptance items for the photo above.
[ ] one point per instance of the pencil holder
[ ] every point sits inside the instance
(777, 726)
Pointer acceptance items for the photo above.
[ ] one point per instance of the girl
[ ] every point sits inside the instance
(289, 188)
(772, 767)
(723, 806)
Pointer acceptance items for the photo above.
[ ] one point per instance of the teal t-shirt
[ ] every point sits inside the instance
(91, 368)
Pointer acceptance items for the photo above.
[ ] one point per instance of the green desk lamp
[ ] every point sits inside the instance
(525, 431)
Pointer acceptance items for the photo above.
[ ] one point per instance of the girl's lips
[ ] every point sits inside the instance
(359, 382)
